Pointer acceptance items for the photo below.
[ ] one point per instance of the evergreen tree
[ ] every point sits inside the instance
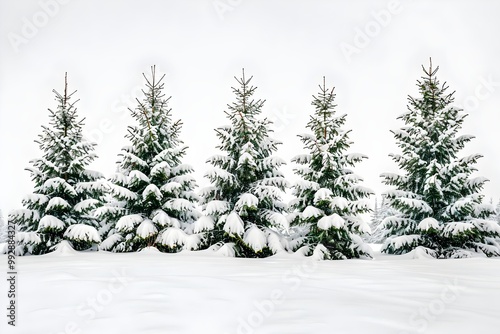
(438, 199)
(379, 214)
(66, 192)
(243, 206)
(152, 199)
(329, 197)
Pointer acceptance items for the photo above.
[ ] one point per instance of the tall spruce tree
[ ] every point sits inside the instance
(438, 200)
(329, 197)
(152, 193)
(243, 207)
(66, 193)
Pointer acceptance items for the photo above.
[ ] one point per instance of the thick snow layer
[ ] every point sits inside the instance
(339, 202)
(217, 207)
(455, 228)
(322, 194)
(255, 238)
(82, 232)
(246, 200)
(128, 222)
(201, 292)
(146, 229)
(311, 211)
(234, 224)
(64, 249)
(86, 205)
(428, 223)
(333, 220)
(110, 241)
(28, 237)
(152, 190)
(173, 237)
(136, 176)
(162, 218)
(179, 204)
(57, 202)
(51, 222)
(204, 223)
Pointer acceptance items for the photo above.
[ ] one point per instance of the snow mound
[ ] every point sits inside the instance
(82, 232)
(255, 238)
(234, 224)
(320, 252)
(333, 220)
(64, 248)
(150, 250)
(50, 222)
(226, 250)
(421, 253)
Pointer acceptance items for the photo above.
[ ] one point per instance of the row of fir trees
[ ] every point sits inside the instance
(434, 205)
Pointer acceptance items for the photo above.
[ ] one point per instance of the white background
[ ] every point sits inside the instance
(201, 44)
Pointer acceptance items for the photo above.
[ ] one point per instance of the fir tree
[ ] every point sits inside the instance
(243, 206)
(66, 192)
(152, 199)
(379, 214)
(329, 197)
(438, 199)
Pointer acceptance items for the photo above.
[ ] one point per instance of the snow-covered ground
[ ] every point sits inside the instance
(198, 292)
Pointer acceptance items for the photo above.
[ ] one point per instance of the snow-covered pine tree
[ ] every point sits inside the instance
(438, 198)
(380, 212)
(66, 192)
(243, 207)
(329, 197)
(152, 199)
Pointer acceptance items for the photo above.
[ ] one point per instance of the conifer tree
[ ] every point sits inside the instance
(243, 207)
(329, 197)
(152, 193)
(66, 193)
(437, 197)
(379, 214)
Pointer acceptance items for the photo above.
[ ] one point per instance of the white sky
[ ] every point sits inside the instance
(287, 45)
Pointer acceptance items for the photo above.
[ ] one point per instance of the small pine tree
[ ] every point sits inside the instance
(152, 194)
(243, 206)
(329, 197)
(439, 201)
(66, 192)
(379, 214)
